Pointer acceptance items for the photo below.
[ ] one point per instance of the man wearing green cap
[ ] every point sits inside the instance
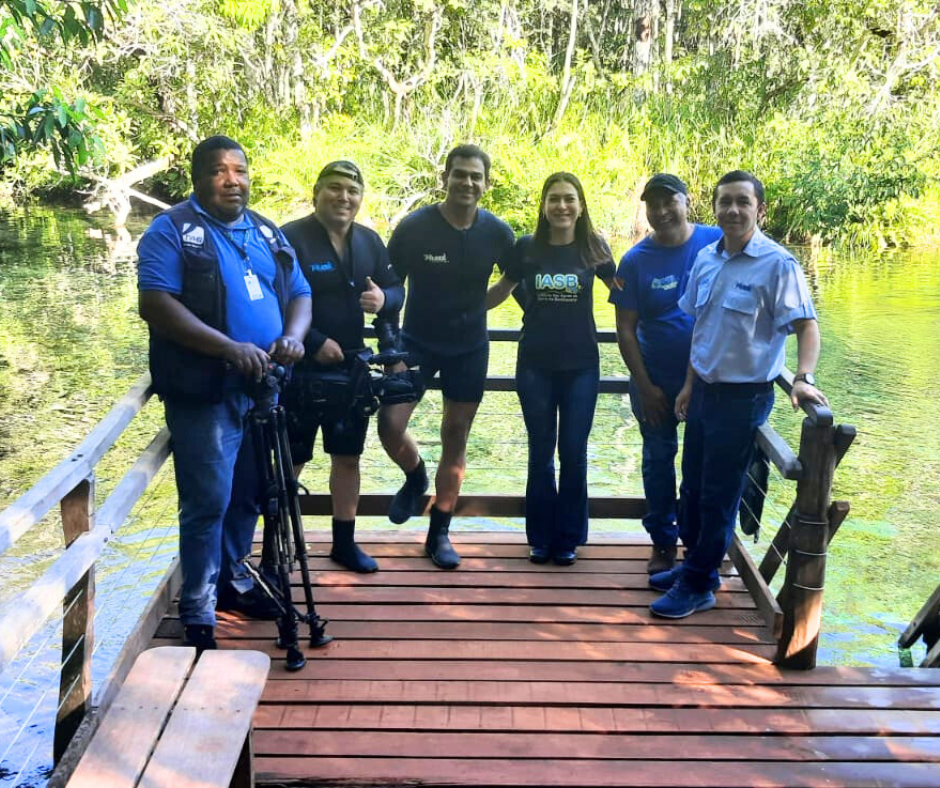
(349, 273)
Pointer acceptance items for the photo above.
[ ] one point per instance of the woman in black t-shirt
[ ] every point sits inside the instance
(557, 368)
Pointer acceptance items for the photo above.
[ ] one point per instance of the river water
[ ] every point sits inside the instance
(71, 344)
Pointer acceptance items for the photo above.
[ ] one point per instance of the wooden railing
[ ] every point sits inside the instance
(69, 583)
(926, 625)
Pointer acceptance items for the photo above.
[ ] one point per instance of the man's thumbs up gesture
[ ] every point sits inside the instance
(372, 299)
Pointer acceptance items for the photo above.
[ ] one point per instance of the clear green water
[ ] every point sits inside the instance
(71, 344)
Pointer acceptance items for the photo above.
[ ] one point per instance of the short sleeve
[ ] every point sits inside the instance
(160, 258)
(690, 293)
(606, 270)
(511, 265)
(299, 286)
(626, 298)
(792, 300)
(506, 246)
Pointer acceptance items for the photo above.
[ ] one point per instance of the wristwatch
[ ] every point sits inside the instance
(807, 377)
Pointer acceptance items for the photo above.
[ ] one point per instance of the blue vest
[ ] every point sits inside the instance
(182, 374)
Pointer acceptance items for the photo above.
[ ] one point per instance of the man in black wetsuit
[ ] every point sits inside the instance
(447, 252)
(349, 273)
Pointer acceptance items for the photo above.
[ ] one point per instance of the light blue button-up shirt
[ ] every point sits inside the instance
(744, 306)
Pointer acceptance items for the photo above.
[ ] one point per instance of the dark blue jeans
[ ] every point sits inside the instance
(719, 440)
(660, 446)
(558, 408)
(216, 479)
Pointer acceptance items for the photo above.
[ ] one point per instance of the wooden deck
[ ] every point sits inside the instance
(504, 673)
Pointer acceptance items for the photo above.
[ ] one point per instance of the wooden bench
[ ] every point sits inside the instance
(173, 725)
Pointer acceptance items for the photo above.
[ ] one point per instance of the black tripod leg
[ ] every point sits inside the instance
(318, 637)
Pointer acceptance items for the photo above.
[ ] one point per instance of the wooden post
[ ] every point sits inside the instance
(78, 509)
(802, 593)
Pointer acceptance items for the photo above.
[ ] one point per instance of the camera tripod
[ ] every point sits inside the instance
(283, 541)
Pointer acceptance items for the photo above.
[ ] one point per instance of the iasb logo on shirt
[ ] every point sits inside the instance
(566, 283)
(193, 235)
(320, 267)
(665, 283)
(435, 258)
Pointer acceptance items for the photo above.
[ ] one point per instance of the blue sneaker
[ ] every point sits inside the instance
(682, 600)
(663, 581)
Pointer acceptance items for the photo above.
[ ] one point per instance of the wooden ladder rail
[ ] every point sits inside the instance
(927, 623)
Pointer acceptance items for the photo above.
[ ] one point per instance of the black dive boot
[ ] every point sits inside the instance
(437, 545)
(407, 501)
(345, 551)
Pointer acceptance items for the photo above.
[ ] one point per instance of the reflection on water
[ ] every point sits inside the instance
(71, 343)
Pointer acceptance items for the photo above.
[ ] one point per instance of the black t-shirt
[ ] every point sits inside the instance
(336, 284)
(447, 271)
(558, 331)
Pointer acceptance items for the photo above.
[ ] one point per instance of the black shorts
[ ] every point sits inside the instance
(463, 377)
(345, 438)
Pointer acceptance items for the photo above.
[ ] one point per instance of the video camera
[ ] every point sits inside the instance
(355, 388)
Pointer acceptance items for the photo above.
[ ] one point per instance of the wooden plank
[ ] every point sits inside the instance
(78, 625)
(588, 746)
(203, 740)
(117, 754)
(33, 505)
(476, 505)
(760, 592)
(319, 544)
(478, 577)
(599, 719)
(510, 650)
(778, 451)
(246, 629)
(507, 536)
(135, 644)
(457, 595)
(580, 694)
(639, 615)
(623, 672)
(499, 650)
(613, 773)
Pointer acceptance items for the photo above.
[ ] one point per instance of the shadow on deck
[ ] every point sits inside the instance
(504, 673)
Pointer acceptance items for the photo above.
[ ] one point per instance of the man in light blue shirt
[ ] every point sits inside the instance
(746, 293)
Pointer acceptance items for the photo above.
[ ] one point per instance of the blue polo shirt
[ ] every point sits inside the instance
(241, 248)
(448, 272)
(337, 283)
(744, 306)
(654, 277)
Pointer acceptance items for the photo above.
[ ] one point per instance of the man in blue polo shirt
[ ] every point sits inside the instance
(447, 252)
(746, 293)
(654, 335)
(349, 273)
(222, 295)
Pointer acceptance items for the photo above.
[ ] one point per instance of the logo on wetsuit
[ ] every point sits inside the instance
(435, 258)
(318, 268)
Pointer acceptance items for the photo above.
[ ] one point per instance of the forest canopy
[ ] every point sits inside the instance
(835, 104)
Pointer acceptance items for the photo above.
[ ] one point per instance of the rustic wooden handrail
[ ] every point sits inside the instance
(70, 581)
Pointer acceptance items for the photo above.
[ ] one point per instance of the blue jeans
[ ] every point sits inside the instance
(216, 479)
(558, 408)
(719, 440)
(660, 446)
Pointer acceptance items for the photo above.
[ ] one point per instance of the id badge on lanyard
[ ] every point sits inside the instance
(253, 286)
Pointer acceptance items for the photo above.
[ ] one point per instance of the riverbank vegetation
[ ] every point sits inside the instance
(834, 103)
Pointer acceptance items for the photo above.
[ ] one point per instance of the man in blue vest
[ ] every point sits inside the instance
(223, 296)
(654, 335)
(350, 275)
(747, 294)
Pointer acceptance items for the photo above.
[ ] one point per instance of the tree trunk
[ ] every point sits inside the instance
(642, 36)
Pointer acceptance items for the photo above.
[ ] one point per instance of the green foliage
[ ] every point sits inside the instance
(833, 104)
